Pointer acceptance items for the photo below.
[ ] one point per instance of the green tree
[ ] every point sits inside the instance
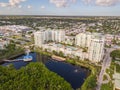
(35, 76)
(115, 54)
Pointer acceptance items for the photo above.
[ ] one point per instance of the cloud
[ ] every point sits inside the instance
(42, 7)
(87, 1)
(62, 3)
(102, 2)
(65, 3)
(11, 3)
(106, 2)
(3, 4)
(19, 6)
(29, 6)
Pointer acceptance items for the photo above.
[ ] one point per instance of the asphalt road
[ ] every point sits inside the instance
(105, 65)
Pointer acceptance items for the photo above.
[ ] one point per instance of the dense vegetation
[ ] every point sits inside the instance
(115, 54)
(9, 51)
(107, 86)
(34, 76)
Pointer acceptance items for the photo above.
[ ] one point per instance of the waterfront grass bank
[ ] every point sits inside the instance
(39, 50)
(12, 55)
(11, 51)
(90, 82)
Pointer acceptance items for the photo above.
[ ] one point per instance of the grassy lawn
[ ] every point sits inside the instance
(105, 77)
(117, 68)
(110, 71)
(108, 86)
(112, 67)
(16, 36)
(42, 52)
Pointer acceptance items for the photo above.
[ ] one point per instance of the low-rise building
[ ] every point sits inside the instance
(108, 39)
(3, 43)
(67, 50)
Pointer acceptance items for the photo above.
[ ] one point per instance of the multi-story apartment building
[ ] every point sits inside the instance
(94, 44)
(96, 48)
(83, 39)
(42, 37)
(39, 38)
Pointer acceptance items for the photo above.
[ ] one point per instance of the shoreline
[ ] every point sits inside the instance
(91, 68)
(58, 58)
(93, 71)
(13, 56)
(2, 62)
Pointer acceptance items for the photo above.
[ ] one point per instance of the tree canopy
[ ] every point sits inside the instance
(35, 76)
(115, 54)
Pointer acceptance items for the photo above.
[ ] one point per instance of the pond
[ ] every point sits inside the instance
(73, 74)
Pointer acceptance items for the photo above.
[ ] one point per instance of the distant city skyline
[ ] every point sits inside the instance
(60, 7)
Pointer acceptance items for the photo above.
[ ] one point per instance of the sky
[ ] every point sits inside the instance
(60, 7)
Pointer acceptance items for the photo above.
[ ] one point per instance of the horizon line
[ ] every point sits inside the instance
(62, 15)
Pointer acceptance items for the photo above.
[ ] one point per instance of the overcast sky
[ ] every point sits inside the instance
(60, 7)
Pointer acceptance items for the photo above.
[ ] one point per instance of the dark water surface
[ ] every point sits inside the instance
(75, 75)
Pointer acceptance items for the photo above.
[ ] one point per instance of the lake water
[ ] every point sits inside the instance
(75, 75)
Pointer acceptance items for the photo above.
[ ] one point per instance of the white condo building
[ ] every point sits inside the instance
(96, 49)
(83, 39)
(42, 37)
(95, 44)
(39, 38)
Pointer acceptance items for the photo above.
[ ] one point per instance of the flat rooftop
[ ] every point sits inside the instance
(63, 46)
